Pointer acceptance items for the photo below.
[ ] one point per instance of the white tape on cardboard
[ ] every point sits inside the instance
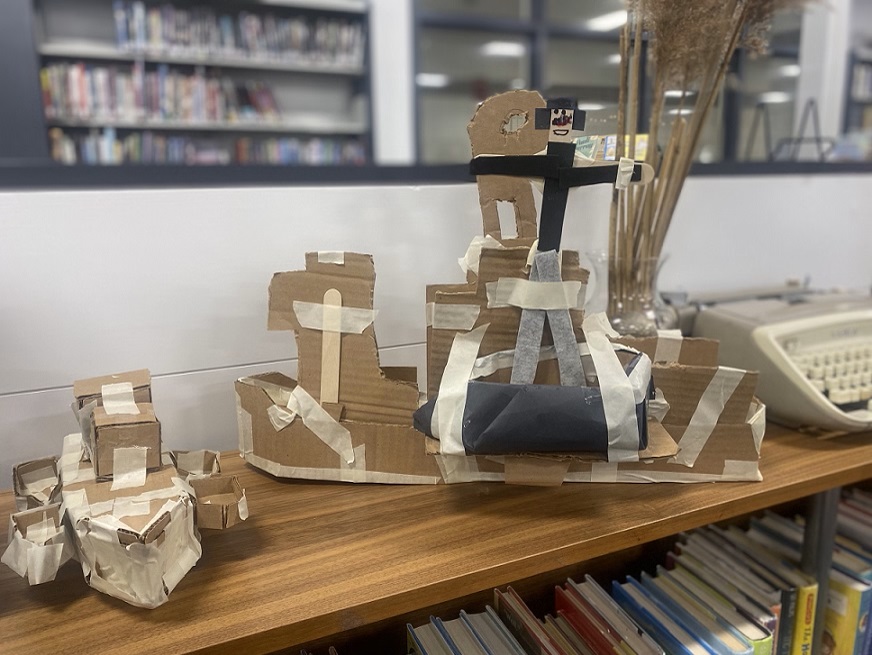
(118, 398)
(658, 408)
(356, 471)
(527, 294)
(324, 426)
(745, 470)
(708, 411)
(43, 563)
(446, 316)
(618, 395)
(757, 419)
(351, 320)
(280, 417)
(447, 421)
(130, 507)
(625, 173)
(128, 467)
(336, 474)
(39, 483)
(470, 261)
(246, 429)
(599, 322)
(603, 471)
(73, 451)
(39, 533)
(668, 347)
(15, 555)
(242, 507)
(331, 257)
(531, 255)
(457, 469)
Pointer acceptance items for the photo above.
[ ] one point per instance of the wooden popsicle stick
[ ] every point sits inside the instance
(330, 347)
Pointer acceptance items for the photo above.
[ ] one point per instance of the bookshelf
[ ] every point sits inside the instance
(349, 565)
(858, 103)
(181, 81)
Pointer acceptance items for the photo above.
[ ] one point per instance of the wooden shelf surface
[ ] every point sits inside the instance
(317, 559)
(301, 125)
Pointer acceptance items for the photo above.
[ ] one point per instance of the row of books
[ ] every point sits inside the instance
(148, 147)
(861, 82)
(131, 93)
(202, 32)
(720, 591)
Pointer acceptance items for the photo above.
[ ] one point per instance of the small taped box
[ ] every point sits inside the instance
(221, 502)
(111, 431)
(90, 389)
(38, 544)
(36, 483)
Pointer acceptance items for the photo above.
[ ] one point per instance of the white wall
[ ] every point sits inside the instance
(95, 282)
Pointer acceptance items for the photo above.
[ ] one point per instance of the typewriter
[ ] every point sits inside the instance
(813, 351)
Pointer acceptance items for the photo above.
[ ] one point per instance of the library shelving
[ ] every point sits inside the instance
(201, 77)
(858, 94)
(349, 565)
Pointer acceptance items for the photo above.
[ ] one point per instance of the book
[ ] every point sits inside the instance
(632, 633)
(550, 625)
(457, 634)
(428, 638)
(585, 621)
(523, 624)
(514, 647)
(571, 635)
(656, 619)
(847, 614)
(760, 638)
(699, 620)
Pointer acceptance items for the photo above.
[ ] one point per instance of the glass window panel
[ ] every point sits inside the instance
(786, 26)
(767, 87)
(457, 70)
(597, 15)
(587, 71)
(710, 147)
(517, 9)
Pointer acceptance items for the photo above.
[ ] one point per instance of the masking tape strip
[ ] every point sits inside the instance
(36, 483)
(72, 453)
(527, 294)
(39, 533)
(603, 471)
(15, 555)
(335, 474)
(501, 359)
(447, 421)
(739, 468)
(245, 427)
(118, 398)
(351, 320)
(43, 563)
(470, 261)
(648, 477)
(446, 316)
(128, 467)
(130, 507)
(625, 173)
(600, 322)
(322, 425)
(531, 255)
(668, 346)
(757, 419)
(709, 409)
(242, 507)
(464, 468)
(356, 470)
(331, 257)
(280, 417)
(618, 395)
(658, 408)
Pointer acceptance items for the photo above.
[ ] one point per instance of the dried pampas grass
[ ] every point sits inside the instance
(690, 46)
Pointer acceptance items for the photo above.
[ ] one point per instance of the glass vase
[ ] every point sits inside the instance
(632, 302)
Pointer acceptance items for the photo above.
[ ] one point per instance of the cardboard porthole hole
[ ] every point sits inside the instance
(514, 122)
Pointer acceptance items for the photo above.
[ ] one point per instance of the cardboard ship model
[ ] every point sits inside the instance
(114, 502)
(521, 385)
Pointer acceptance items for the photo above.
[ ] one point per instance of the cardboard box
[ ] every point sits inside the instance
(38, 544)
(346, 418)
(221, 502)
(195, 462)
(134, 544)
(111, 431)
(36, 483)
(90, 389)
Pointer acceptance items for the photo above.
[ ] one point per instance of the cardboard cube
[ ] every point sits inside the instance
(135, 544)
(38, 544)
(36, 483)
(221, 502)
(111, 431)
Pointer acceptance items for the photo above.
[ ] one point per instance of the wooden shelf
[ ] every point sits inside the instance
(296, 126)
(316, 560)
(92, 50)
